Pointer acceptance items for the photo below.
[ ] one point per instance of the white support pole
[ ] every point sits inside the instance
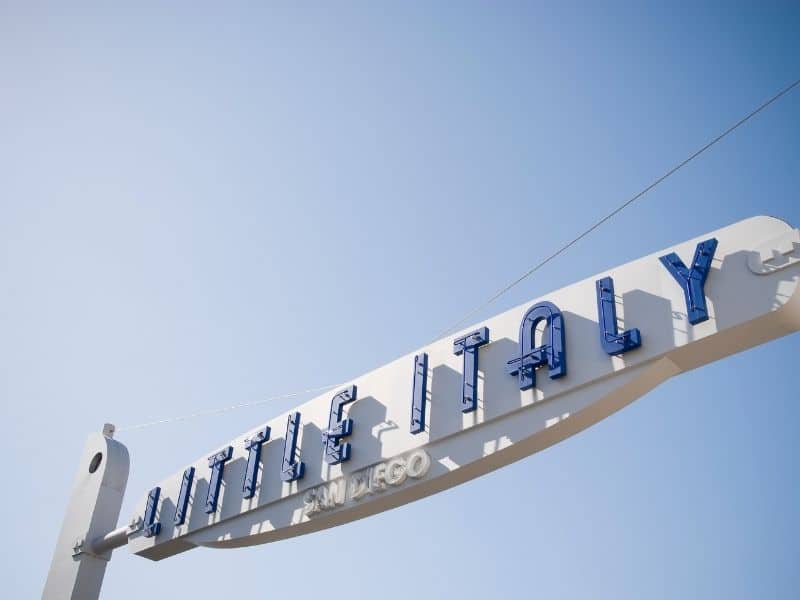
(88, 534)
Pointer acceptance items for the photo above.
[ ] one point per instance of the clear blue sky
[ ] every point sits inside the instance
(194, 198)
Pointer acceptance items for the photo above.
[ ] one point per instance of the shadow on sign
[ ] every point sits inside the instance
(369, 418)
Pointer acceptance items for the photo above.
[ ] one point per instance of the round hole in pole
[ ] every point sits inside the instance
(95, 462)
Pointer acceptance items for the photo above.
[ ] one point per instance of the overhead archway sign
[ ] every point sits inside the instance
(485, 397)
(492, 394)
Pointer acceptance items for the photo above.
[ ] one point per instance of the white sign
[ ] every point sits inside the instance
(489, 395)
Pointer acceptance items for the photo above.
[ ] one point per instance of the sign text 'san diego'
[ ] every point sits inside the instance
(490, 395)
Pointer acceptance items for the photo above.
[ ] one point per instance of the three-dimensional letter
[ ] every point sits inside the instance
(338, 428)
(216, 463)
(253, 446)
(419, 394)
(552, 352)
(151, 526)
(468, 346)
(693, 280)
(292, 468)
(183, 496)
(612, 341)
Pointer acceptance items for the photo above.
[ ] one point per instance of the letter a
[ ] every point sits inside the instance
(552, 352)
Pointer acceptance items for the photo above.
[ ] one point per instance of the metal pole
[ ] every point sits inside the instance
(87, 534)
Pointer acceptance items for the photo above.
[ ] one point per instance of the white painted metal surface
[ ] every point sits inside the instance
(78, 565)
(752, 298)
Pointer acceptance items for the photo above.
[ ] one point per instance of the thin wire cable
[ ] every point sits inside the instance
(511, 285)
(613, 213)
(214, 411)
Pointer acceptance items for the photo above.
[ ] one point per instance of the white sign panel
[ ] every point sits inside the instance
(485, 397)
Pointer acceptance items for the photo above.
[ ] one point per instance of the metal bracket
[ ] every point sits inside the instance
(775, 254)
(136, 524)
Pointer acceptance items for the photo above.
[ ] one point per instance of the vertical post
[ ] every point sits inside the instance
(77, 569)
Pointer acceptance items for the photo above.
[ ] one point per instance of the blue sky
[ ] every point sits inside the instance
(205, 205)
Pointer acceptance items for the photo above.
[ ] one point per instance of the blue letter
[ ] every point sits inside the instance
(292, 469)
(468, 345)
(151, 527)
(217, 464)
(612, 341)
(183, 496)
(419, 395)
(338, 428)
(553, 353)
(253, 445)
(693, 280)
